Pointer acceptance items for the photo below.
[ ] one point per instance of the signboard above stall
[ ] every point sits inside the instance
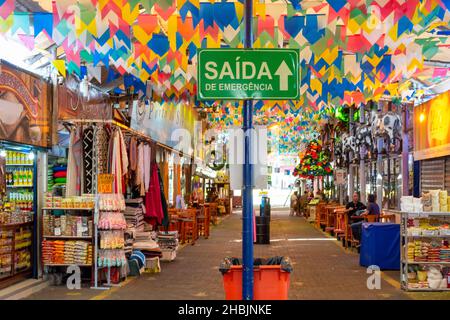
(432, 128)
(24, 107)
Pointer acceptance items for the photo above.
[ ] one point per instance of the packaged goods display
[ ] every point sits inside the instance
(86, 201)
(425, 247)
(67, 225)
(61, 252)
(18, 158)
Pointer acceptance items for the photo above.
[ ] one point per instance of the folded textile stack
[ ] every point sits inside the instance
(443, 195)
(50, 180)
(168, 240)
(145, 243)
(134, 214)
(60, 174)
(129, 241)
(426, 202)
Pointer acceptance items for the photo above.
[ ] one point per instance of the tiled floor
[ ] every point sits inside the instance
(322, 268)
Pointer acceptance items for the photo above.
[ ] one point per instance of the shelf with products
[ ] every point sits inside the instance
(110, 231)
(15, 248)
(68, 231)
(425, 250)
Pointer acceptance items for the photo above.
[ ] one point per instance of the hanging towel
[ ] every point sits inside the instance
(140, 170)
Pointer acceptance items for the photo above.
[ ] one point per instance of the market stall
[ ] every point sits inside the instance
(24, 135)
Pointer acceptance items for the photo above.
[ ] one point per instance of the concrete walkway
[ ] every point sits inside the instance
(322, 268)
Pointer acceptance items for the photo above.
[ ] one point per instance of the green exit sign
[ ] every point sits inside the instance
(260, 74)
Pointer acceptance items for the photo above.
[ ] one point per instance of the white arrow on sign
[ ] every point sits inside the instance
(283, 72)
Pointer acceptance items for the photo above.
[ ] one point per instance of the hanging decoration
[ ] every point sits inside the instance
(315, 161)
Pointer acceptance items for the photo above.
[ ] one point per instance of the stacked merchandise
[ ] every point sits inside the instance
(67, 225)
(411, 204)
(421, 251)
(145, 243)
(444, 253)
(168, 242)
(60, 173)
(50, 179)
(426, 202)
(6, 240)
(66, 252)
(428, 251)
(111, 226)
(134, 214)
(443, 195)
(435, 207)
(433, 277)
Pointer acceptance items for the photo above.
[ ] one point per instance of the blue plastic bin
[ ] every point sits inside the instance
(380, 245)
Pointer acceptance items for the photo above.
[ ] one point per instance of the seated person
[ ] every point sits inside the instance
(372, 209)
(354, 207)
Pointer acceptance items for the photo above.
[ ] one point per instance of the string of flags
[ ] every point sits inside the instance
(351, 51)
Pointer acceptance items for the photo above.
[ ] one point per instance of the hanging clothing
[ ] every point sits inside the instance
(147, 166)
(133, 154)
(165, 219)
(102, 142)
(153, 201)
(119, 163)
(88, 155)
(74, 164)
(140, 170)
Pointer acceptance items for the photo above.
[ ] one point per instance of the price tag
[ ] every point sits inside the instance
(105, 183)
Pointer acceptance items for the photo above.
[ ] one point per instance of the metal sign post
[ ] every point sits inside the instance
(247, 208)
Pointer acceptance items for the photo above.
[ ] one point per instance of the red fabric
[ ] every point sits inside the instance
(60, 174)
(153, 204)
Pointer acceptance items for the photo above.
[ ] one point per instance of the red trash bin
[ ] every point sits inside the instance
(270, 283)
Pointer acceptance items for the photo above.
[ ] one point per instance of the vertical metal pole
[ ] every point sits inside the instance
(362, 163)
(379, 179)
(351, 155)
(405, 151)
(247, 212)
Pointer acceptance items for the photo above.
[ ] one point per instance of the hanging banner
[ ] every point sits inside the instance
(72, 105)
(340, 177)
(432, 128)
(171, 124)
(248, 74)
(25, 102)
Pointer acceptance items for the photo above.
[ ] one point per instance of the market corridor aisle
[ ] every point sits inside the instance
(322, 269)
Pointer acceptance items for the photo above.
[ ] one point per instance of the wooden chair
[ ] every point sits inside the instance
(203, 220)
(387, 217)
(320, 215)
(213, 212)
(341, 223)
(188, 221)
(173, 220)
(330, 222)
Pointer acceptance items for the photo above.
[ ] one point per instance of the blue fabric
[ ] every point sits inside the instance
(380, 245)
(139, 257)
